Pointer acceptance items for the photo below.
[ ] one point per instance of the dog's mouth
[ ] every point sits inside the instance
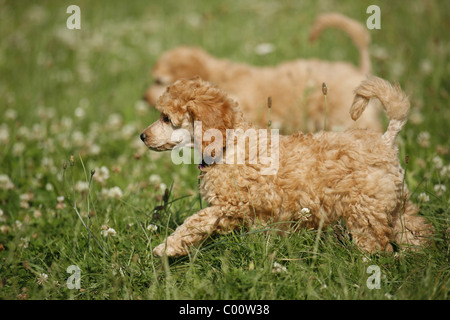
(163, 147)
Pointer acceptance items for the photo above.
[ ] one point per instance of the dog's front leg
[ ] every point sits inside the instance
(193, 231)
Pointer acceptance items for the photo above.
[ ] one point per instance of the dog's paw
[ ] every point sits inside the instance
(159, 250)
(169, 251)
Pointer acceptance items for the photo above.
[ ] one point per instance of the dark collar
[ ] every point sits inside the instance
(212, 161)
(203, 165)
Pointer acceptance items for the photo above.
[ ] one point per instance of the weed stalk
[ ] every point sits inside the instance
(324, 91)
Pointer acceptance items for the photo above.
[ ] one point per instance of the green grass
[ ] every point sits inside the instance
(77, 92)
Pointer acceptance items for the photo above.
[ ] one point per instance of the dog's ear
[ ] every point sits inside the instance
(195, 63)
(212, 114)
(189, 65)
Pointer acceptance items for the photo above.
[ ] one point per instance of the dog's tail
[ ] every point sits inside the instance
(357, 32)
(394, 101)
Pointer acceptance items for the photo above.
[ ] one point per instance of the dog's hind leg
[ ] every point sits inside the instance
(410, 229)
(369, 227)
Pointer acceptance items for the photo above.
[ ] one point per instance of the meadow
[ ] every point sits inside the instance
(79, 188)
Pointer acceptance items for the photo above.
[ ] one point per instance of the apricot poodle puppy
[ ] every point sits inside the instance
(353, 175)
(295, 86)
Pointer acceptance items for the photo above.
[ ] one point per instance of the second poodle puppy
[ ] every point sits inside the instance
(294, 86)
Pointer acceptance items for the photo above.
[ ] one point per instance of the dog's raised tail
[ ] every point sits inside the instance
(394, 101)
(356, 31)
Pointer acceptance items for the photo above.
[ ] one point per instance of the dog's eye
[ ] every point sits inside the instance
(159, 82)
(165, 118)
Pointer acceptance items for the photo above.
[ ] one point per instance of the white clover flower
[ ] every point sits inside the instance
(24, 242)
(305, 211)
(445, 171)
(36, 14)
(4, 134)
(141, 107)
(79, 113)
(46, 113)
(23, 132)
(397, 69)
(37, 214)
(111, 232)
(423, 197)
(115, 121)
(115, 192)
(437, 162)
(154, 178)
(18, 148)
(81, 186)
(28, 197)
(5, 182)
(94, 149)
(439, 189)
(278, 268)
(94, 130)
(416, 117)
(38, 132)
(264, 48)
(152, 227)
(104, 192)
(84, 103)
(101, 174)
(60, 204)
(107, 231)
(47, 163)
(128, 131)
(194, 20)
(380, 53)
(84, 72)
(304, 214)
(10, 114)
(42, 278)
(423, 139)
(426, 66)
(24, 204)
(66, 123)
(78, 138)
(388, 295)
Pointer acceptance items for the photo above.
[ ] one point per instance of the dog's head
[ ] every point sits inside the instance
(196, 107)
(179, 63)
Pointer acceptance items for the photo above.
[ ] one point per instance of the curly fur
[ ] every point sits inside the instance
(294, 86)
(353, 175)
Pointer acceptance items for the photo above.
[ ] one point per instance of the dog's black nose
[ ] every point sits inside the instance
(143, 136)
